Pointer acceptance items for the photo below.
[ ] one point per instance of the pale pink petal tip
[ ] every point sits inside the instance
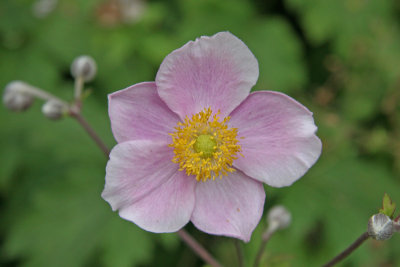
(279, 143)
(146, 187)
(216, 72)
(231, 206)
(138, 113)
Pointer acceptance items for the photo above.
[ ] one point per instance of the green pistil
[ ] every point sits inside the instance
(205, 143)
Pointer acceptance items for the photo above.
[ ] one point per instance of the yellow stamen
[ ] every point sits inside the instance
(204, 146)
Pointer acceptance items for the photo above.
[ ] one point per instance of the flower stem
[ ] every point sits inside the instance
(198, 249)
(39, 93)
(239, 253)
(265, 238)
(79, 81)
(348, 250)
(92, 133)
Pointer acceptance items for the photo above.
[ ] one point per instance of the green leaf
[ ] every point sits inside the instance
(388, 206)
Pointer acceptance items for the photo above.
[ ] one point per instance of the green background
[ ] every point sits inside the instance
(340, 58)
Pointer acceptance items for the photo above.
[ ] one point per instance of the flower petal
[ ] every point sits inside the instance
(216, 72)
(231, 206)
(147, 188)
(279, 143)
(137, 112)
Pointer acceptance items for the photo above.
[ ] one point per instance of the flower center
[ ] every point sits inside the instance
(204, 146)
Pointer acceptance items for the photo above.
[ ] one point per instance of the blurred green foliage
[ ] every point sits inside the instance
(338, 57)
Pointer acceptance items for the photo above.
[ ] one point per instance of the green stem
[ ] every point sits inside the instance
(91, 132)
(265, 238)
(239, 252)
(348, 250)
(198, 249)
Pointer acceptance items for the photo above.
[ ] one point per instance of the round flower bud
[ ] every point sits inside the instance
(279, 216)
(380, 227)
(85, 67)
(53, 109)
(16, 96)
(42, 8)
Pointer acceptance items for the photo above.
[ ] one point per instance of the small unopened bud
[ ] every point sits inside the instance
(279, 217)
(53, 109)
(16, 96)
(85, 67)
(380, 227)
(42, 8)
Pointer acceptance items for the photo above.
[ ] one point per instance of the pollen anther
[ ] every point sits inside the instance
(204, 146)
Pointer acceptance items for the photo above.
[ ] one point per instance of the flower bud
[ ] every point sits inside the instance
(53, 109)
(85, 67)
(16, 96)
(279, 217)
(380, 227)
(42, 8)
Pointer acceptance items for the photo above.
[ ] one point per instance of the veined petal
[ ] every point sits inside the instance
(279, 143)
(231, 206)
(138, 113)
(216, 72)
(147, 188)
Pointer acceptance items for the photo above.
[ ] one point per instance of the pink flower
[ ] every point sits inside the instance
(196, 145)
